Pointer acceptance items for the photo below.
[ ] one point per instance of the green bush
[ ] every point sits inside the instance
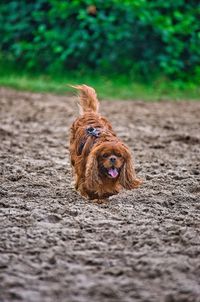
(138, 36)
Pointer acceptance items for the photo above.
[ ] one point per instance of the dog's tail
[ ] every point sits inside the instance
(88, 101)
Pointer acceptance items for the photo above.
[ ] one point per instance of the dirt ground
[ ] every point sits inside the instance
(142, 245)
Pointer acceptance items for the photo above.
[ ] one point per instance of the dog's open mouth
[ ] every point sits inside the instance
(113, 172)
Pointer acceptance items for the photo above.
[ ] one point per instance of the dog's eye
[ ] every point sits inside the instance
(105, 155)
(118, 155)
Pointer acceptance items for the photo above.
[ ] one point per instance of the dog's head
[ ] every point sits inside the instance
(110, 161)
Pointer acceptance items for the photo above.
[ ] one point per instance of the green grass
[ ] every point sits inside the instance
(115, 87)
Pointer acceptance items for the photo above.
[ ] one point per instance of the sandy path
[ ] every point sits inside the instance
(143, 245)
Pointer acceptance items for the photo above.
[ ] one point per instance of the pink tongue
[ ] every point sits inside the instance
(113, 172)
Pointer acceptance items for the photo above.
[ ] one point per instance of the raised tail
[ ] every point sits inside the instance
(88, 101)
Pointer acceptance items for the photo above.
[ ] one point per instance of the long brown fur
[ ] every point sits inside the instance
(95, 174)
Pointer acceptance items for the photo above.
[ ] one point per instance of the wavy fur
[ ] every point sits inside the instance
(96, 175)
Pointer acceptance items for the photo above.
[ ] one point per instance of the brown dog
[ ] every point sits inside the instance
(102, 164)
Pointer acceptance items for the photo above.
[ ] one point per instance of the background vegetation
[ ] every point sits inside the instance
(151, 41)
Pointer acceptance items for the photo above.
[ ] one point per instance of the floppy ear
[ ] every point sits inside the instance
(92, 173)
(128, 177)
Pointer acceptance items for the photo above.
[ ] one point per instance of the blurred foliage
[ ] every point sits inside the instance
(141, 37)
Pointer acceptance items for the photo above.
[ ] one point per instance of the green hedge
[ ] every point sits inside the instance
(142, 36)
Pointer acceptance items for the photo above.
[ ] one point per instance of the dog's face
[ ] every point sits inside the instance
(110, 160)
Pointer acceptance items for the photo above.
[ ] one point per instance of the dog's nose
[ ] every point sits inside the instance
(113, 159)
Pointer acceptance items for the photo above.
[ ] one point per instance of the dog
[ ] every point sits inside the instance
(102, 164)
